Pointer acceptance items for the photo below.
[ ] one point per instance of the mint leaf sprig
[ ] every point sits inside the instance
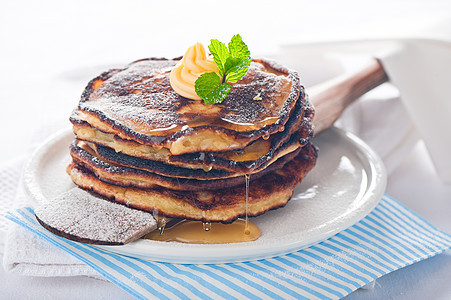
(233, 63)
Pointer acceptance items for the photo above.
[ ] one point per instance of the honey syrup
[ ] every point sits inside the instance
(193, 232)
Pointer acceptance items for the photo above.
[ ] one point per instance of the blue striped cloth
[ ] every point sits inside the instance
(389, 238)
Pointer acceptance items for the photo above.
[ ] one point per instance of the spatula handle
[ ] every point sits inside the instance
(332, 97)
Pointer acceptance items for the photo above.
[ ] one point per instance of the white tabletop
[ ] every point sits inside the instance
(50, 49)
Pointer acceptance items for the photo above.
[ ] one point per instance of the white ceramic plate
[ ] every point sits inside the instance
(346, 184)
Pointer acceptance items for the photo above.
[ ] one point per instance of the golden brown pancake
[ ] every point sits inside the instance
(137, 103)
(110, 172)
(255, 155)
(270, 191)
(260, 153)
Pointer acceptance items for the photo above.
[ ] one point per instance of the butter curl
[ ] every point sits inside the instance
(194, 63)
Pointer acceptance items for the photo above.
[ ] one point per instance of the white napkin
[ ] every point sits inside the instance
(373, 118)
(383, 123)
(27, 254)
(421, 69)
(9, 177)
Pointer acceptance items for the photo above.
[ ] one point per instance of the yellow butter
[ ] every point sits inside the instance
(194, 63)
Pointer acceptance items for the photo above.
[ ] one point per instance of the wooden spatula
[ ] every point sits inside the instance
(333, 96)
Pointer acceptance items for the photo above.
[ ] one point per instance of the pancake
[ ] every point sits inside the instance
(138, 104)
(255, 155)
(259, 154)
(85, 157)
(270, 191)
(120, 159)
(77, 215)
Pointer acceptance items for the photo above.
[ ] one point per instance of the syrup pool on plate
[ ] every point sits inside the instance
(193, 232)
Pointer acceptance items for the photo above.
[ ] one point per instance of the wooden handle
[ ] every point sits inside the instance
(332, 97)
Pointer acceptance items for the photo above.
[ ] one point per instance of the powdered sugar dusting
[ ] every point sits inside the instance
(140, 94)
(80, 215)
(141, 98)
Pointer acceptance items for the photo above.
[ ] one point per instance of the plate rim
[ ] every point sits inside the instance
(375, 190)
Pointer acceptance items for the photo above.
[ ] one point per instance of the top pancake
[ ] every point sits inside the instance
(138, 103)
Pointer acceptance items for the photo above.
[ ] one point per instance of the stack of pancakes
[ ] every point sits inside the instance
(141, 144)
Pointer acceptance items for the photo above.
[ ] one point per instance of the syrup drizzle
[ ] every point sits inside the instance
(246, 224)
(161, 221)
(161, 225)
(206, 226)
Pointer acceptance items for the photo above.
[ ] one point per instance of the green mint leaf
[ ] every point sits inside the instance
(220, 54)
(234, 77)
(235, 68)
(209, 87)
(233, 63)
(205, 83)
(237, 48)
(218, 94)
